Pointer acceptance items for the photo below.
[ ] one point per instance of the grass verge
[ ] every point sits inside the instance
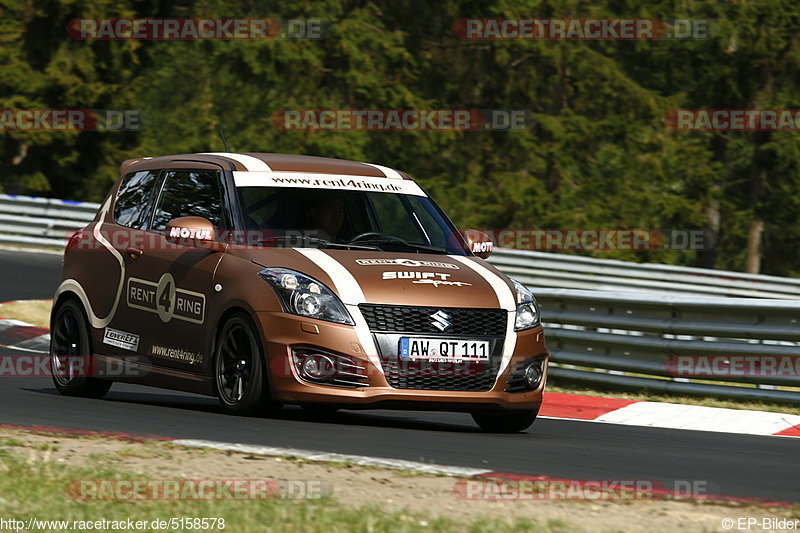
(36, 312)
(39, 489)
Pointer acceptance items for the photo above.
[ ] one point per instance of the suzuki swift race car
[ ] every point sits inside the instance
(269, 279)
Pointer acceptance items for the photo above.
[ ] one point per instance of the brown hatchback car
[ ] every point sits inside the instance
(269, 279)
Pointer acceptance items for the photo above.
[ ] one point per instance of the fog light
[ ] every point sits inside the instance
(318, 367)
(533, 374)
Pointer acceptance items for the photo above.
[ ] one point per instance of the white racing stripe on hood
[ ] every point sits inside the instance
(507, 301)
(252, 164)
(350, 293)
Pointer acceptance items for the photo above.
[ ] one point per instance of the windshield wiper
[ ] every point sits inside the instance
(408, 245)
(322, 243)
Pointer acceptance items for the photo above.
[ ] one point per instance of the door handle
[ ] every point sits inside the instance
(134, 253)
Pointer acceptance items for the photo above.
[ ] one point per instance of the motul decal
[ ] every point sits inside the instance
(190, 233)
(482, 247)
(166, 300)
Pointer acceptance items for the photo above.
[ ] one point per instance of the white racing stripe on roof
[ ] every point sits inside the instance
(250, 163)
(388, 172)
(349, 291)
(341, 182)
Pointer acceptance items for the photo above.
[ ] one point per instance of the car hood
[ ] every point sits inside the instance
(396, 278)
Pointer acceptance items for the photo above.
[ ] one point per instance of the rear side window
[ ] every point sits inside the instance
(135, 198)
(190, 193)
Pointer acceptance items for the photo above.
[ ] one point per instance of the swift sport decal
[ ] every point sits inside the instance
(166, 300)
(406, 263)
(433, 278)
(121, 339)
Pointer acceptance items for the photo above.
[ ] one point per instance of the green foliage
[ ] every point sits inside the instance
(599, 155)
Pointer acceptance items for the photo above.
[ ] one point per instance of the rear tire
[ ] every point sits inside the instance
(509, 421)
(70, 346)
(240, 375)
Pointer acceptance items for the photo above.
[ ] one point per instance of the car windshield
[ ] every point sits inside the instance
(323, 218)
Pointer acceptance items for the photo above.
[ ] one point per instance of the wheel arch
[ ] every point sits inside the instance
(231, 310)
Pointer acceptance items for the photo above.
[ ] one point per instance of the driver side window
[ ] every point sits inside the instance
(190, 193)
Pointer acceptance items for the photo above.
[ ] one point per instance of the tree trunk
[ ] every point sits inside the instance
(707, 258)
(753, 260)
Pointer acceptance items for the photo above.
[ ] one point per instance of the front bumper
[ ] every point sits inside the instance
(283, 332)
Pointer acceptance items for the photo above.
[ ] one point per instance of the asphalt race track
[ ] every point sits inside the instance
(732, 465)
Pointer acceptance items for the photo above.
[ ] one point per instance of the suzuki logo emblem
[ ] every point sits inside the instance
(441, 320)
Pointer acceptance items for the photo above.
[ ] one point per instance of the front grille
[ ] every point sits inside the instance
(417, 320)
(439, 376)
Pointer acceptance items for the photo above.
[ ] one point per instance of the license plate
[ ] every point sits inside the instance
(444, 349)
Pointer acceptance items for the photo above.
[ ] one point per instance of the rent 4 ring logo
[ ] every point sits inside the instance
(70, 120)
(166, 300)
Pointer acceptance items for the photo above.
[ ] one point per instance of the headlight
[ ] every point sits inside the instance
(303, 295)
(527, 310)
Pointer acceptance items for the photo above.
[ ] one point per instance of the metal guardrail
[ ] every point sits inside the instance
(547, 269)
(620, 333)
(627, 340)
(41, 222)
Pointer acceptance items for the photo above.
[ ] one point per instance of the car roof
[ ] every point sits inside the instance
(261, 162)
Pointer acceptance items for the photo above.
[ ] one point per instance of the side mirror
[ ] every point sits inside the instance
(196, 232)
(479, 243)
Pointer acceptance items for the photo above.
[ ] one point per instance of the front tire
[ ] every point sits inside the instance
(71, 361)
(240, 376)
(509, 421)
